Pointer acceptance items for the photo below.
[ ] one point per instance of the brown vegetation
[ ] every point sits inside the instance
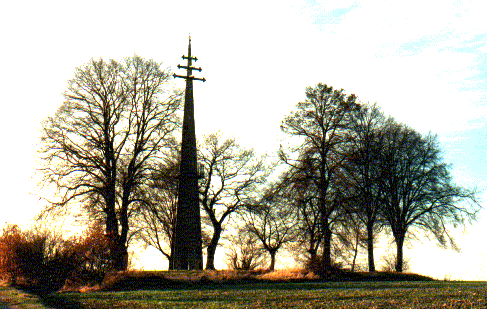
(161, 280)
(43, 262)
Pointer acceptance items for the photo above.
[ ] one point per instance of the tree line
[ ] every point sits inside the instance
(346, 173)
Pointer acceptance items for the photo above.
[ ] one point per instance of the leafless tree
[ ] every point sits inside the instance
(308, 234)
(362, 170)
(244, 253)
(272, 220)
(320, 123)
(100, 146)
(158, 212)
(418, 189)
(232, 175)
(351, 239)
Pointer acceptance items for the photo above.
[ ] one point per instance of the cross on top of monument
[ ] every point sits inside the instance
(189, 68)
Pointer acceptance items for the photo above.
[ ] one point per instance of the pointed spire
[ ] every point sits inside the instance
(189, 51)
(186, 249)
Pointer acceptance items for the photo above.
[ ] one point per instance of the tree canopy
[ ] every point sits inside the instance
(104, 140)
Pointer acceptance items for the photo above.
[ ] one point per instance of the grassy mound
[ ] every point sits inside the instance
(162, 280)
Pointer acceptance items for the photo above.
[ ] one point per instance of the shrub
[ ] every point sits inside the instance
(244, 253)
(42, 261)
(9, 240)
(388, 263)
(315, 264)
(39, 260)
(93, 248)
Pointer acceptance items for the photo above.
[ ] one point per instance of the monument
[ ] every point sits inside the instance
(186, 246)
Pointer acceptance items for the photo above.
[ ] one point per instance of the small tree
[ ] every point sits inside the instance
(351, 239)
(244, 252)
(272, 221)
(158, 215)
(231, 176)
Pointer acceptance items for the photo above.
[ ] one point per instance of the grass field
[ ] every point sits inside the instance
(433, 294)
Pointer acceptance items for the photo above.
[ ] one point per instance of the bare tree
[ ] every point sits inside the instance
(351, 239)
(320, 122)
(418, 190)
(272, 220)
(158, 212)
(100, 146)
(244, 253)
(362, 170)
(308, 228)
(231, 177)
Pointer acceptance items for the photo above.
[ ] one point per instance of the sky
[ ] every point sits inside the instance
(422, 62)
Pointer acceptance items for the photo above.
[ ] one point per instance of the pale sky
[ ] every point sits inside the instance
(423, 62)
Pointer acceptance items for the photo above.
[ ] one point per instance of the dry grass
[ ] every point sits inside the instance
(289, 275)
(160, 280)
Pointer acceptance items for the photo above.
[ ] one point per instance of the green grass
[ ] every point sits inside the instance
(18, 299)
(288, 295)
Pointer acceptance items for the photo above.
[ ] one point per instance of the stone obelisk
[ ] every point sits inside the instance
(186, 246)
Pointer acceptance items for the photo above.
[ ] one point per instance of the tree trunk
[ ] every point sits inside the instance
(312, 253)
(327, 249)
(120, 257)
(355, 253)
(273, 260)
(370, 246)
(210, 260)
(399, 254)
(118, 251)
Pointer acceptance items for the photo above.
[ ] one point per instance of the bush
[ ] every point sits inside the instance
(43, 262)
(388, 263)
(9, 240)
(315, 264)
(244, 253)
(38, 261)
(94, 250)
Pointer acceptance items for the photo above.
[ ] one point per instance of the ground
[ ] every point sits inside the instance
(268, 294)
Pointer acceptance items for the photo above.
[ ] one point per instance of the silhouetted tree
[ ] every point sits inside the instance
(362, 170)
(272, 220)
(244, 253)
(158, 211)
(308, 234)
(232, 175)
(100, 146)
(320, 123)
(350, 239)
(418, 190)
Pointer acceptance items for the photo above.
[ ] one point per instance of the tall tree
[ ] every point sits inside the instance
(362, 170)
(232, 175)
(320, 122)
(99, 147)
(418, 189)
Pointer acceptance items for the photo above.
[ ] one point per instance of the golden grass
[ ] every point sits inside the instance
(137, 280)
(289, 274)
